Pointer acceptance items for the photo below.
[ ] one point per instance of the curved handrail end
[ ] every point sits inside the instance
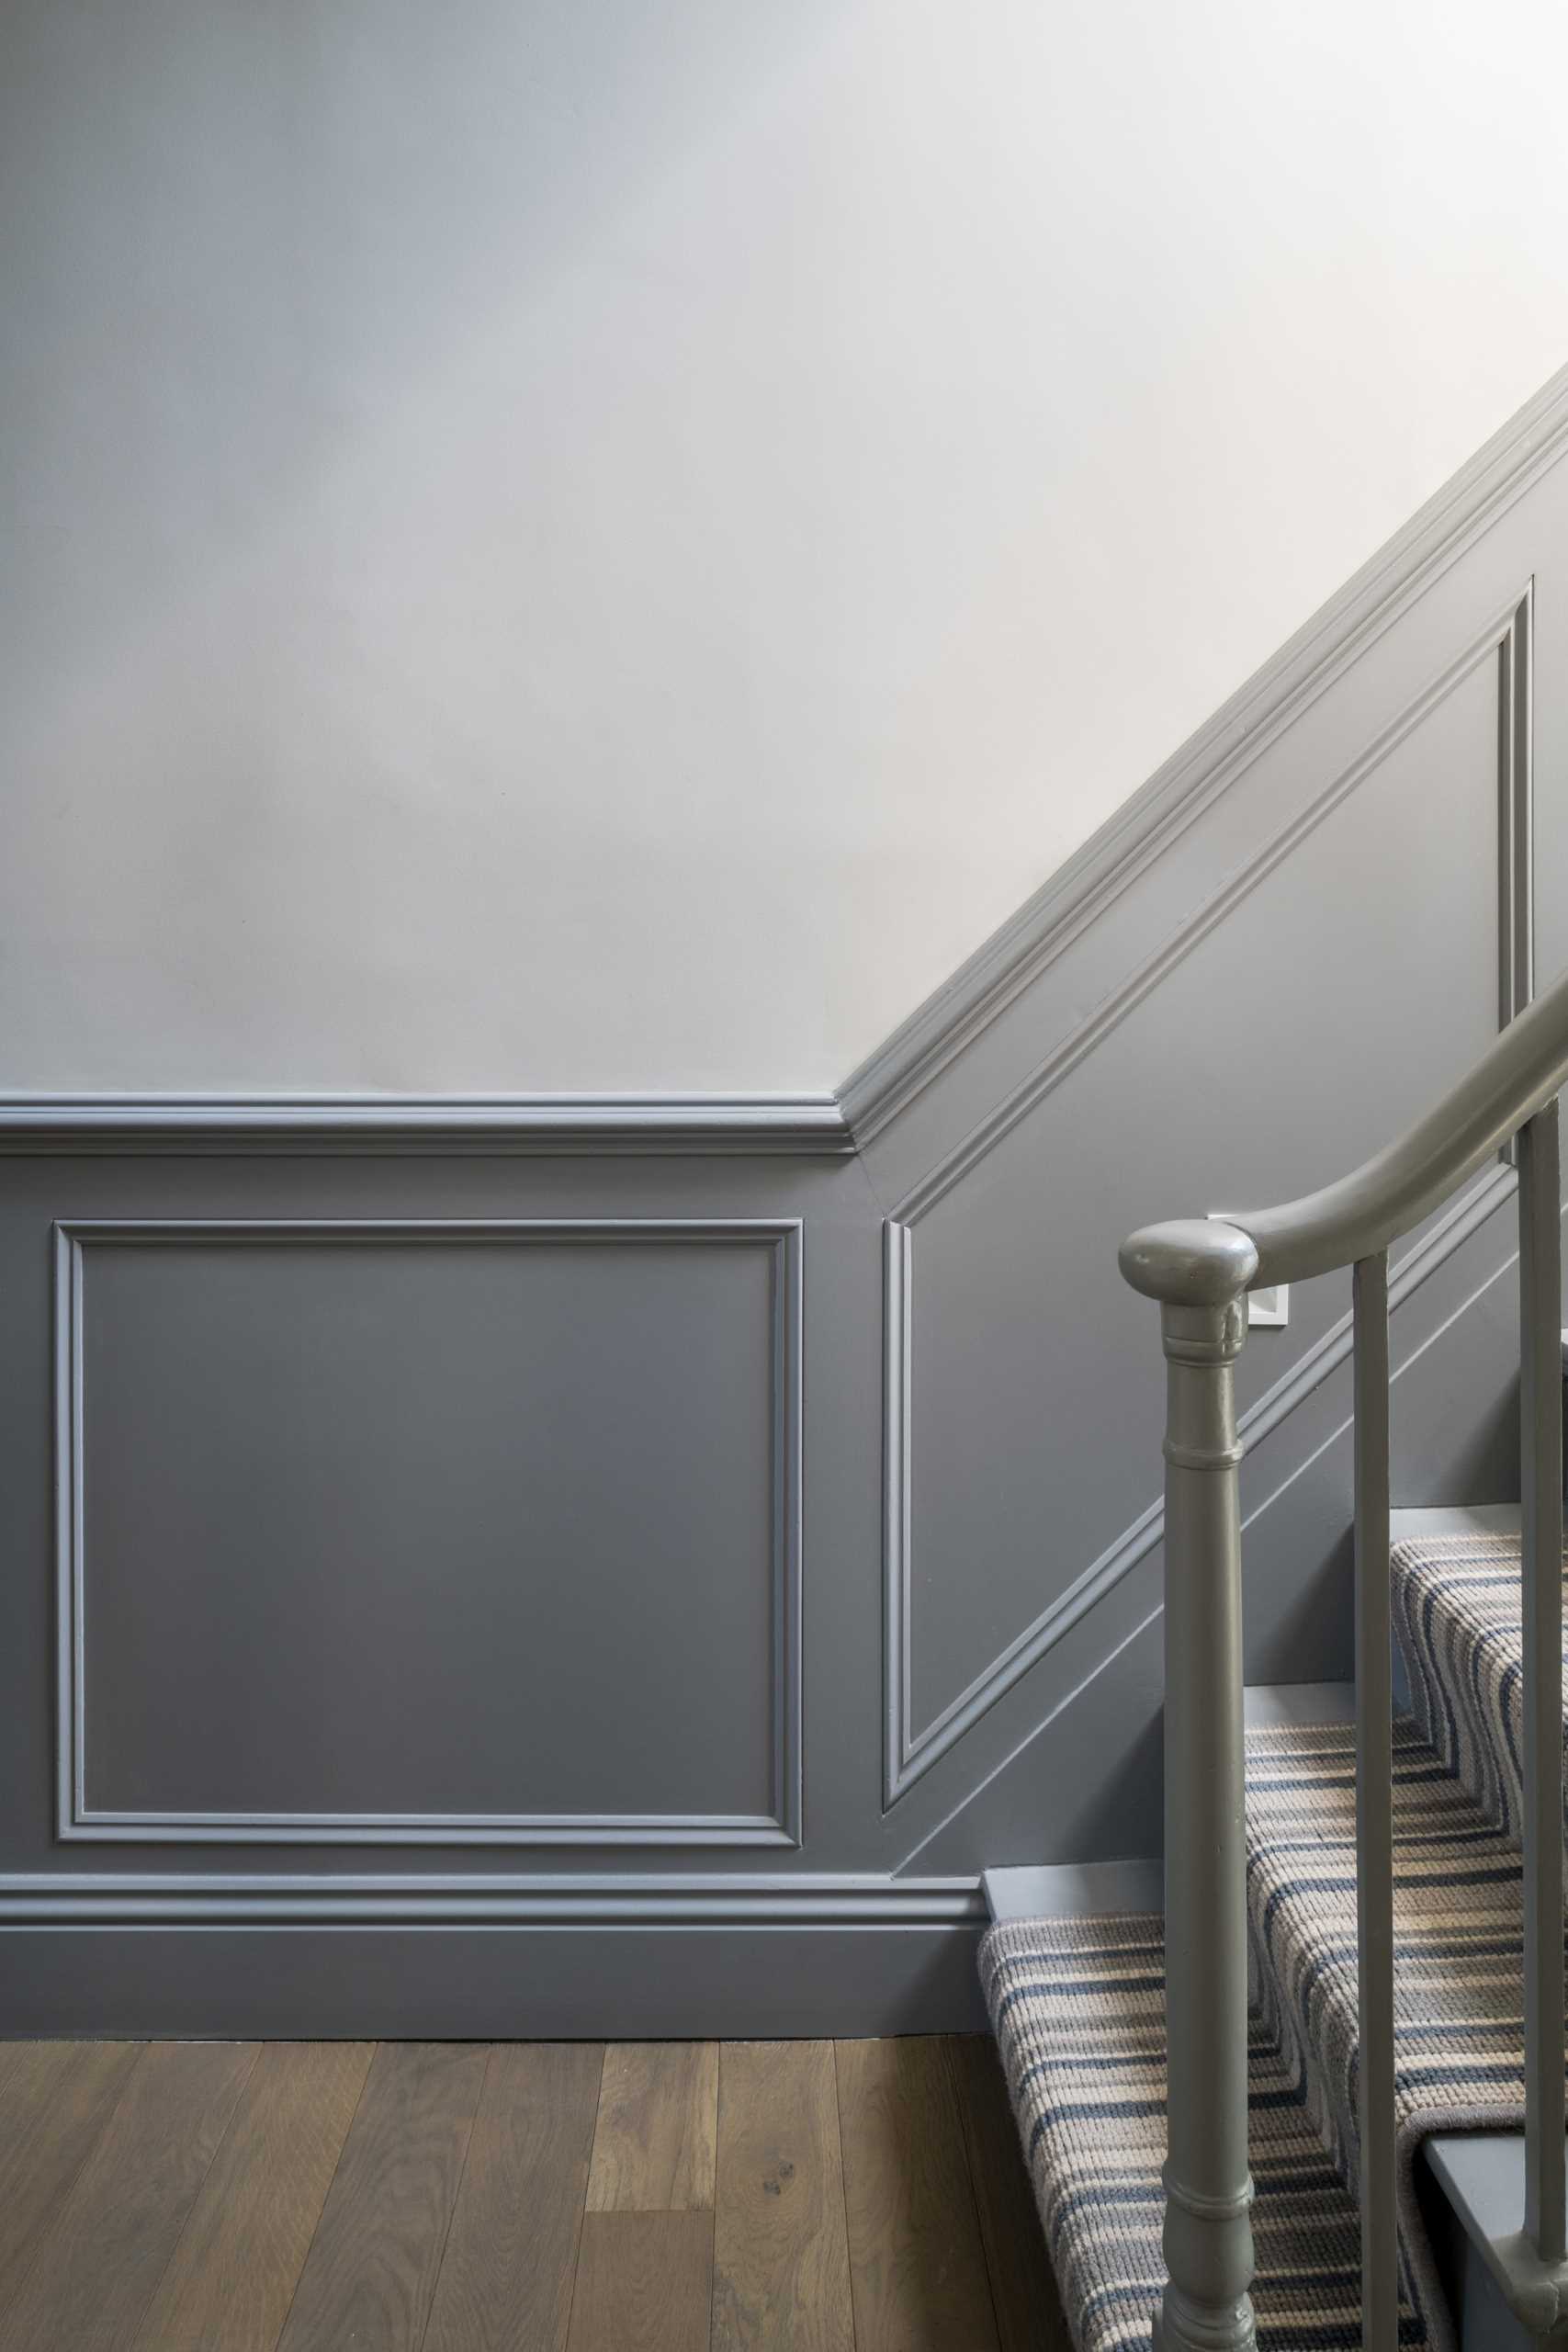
(1192, 1261)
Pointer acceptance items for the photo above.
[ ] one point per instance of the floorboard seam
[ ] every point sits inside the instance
(195, 2193)
(582, 2217)
(452, 2209)
(69, 2190)
(294, 2292)
(844, 2191)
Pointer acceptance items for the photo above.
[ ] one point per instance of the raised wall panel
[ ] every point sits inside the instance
(1328, 990)
(430, 1533)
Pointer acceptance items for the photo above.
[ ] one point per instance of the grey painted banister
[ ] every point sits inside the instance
(1199, 1271)
(1361, 1214)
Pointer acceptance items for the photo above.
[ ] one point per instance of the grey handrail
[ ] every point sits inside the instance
(1361, 1214)
(1199, 1271)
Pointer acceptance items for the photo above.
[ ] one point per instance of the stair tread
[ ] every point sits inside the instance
(1458, 1931)
(1077, 2004)
(1458, 1614)
(1077, 2007)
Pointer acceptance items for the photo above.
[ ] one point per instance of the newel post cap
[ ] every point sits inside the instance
(1195, 1262)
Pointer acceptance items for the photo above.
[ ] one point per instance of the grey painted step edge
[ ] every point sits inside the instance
(1469, 1519)
(1074, 1891)
(1269, 1705)
(1482, 2175)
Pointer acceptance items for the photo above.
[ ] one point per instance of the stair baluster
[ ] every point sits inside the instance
(1374, 1811)
(1540, 1432)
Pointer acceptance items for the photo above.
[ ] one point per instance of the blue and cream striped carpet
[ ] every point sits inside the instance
(1456, 1603)
(1078, 2010)
(1077, 2006)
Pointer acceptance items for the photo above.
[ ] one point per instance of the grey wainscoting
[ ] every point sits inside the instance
(580, 1565)
(1235, 1040)
(1360, 889)
(447, 1548)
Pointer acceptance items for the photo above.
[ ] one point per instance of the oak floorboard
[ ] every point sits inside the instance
(915, 2262)
(371, 2271)
(506, 2277)
(233, 2274)
(1023, 2286)
(654, 2143)
(781, 2252)
(55, 2099)
(644, 2283)
(104, 2252)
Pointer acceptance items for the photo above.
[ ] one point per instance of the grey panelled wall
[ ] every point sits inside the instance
(428, 1537)
(550, 1567)
(471, 1415)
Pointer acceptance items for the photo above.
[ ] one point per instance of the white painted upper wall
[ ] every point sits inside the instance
(600, 544)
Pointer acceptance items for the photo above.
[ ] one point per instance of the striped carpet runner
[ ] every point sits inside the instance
(1077, 2005)
(1078, 2012)
(1456, 1603)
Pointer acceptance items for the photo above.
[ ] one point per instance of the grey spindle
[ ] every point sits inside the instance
(1199, 1273)
(1540, 1417)
(1374, 1811)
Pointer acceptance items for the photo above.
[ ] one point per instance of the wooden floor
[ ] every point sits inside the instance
(544, 2196)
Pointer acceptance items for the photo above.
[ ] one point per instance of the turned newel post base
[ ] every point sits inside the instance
(1199, 1273)
(1208, 2247)
(1202, 2328)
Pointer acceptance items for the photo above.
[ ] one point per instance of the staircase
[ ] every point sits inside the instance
(1074, 1976)
(1353, 1987)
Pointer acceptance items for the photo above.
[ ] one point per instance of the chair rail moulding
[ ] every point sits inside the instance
(77, 1821)
(649, 1125)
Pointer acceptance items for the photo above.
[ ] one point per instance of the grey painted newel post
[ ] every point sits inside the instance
(1199, 1271)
